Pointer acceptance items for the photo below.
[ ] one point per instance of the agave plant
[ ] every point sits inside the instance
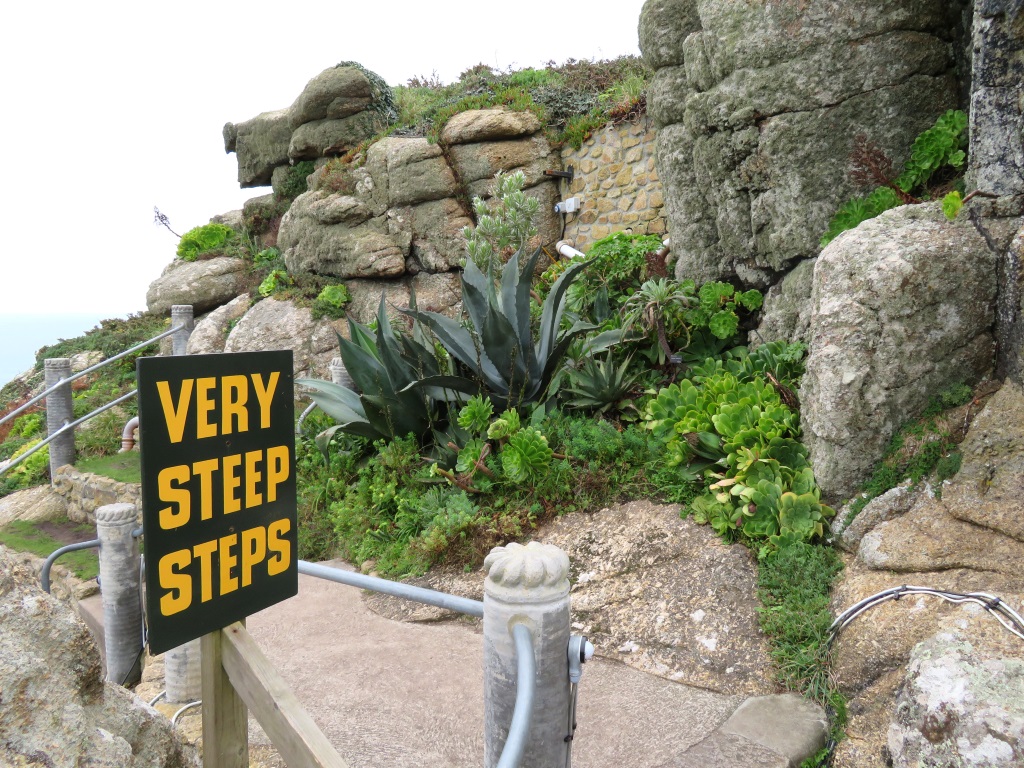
(498, 349)
(382, 367)
(600, 384)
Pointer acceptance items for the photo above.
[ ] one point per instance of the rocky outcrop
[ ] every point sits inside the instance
(945, 544)
(273, 325)
(997, 98)
(56, 710)
(203, 284)
(786, 315)
(260, 144)
(38, 503)
(902, 307)
(338, 109)
(211, 332)
(759, 104)
(403, 210)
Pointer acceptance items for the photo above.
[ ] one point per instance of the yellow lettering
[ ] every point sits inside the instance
(170, 519)
(175, 416)
(179, 585)
(231, 483)
(204, 553)
(203, 407)
(277, 469)
(281, 547)
(265, 395)
(235, 394)
(252, 476)
(228, 583)
(204, 470)
(254, 550)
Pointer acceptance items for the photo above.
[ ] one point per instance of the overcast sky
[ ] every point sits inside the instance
(110, 108)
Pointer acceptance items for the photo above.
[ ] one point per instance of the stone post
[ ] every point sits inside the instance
(181, 314)
(182, 665)
(119, 581)
(340, 374)
(59, 410)
(527, 585)
(183, 673)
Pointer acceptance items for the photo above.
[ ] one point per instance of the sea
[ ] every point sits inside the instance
(21, 336)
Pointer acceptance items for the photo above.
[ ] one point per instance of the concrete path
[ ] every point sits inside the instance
(389, 694)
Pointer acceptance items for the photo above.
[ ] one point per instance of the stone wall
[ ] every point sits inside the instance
(617, 182)
(84, 493)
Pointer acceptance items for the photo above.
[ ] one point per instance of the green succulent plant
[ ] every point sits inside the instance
(383, 366)
(526, 456)
(600, 384)
(476, 414)
(498, 349)
(504, 426)
(203, 239)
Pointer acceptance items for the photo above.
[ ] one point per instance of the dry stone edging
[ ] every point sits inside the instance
(83, 493)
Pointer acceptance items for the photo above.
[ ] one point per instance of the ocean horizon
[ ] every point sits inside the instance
(21, 336)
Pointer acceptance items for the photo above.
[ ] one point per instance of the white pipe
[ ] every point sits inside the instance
(566, 250)
(128, 435)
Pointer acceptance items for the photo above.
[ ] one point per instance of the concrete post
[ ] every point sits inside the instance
(528, 585)
(59, 410)
(183, 673)
(181, 314)
(119, 581)
(340, 374)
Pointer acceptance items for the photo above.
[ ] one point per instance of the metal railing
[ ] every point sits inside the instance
(67, 426)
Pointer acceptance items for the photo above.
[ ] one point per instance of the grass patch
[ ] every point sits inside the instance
(123, 467)
(42, 537)
(794, 584)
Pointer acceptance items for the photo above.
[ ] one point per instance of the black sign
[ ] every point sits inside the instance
(218, 490)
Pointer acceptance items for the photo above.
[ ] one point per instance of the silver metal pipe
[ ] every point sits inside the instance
(44, 575)
(43, 443)
(526, 689)
(86, 372)
(395, 588)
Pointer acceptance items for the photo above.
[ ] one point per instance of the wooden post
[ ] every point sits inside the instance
(225, 717)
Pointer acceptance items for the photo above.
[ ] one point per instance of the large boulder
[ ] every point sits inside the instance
(333, 234)
(434, 293)
(279, 325)
(334, 94)
(417, 171)
(902, 308)
(959, 707)
(493, 124)
(260, 144)
(203, 284)
(321, 138)
(211, 332)
(56, 710)
(917, 538)
(759, 105)
(786, 315)
(477, 164)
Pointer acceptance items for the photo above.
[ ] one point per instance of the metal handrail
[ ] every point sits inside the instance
(67, 426)
(526, 689)
(394, 588)
(44, 576)
(86, 372)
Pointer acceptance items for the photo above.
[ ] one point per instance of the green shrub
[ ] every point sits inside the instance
(203, 240)
(331, 302)
(941, 146)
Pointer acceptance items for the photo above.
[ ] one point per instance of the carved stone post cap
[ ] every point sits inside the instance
(528, 572)
(59, 363)
(116, 514)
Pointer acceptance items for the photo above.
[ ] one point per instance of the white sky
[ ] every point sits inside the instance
(112, 107)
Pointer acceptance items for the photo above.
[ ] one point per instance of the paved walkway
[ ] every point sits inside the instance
(390, 694)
